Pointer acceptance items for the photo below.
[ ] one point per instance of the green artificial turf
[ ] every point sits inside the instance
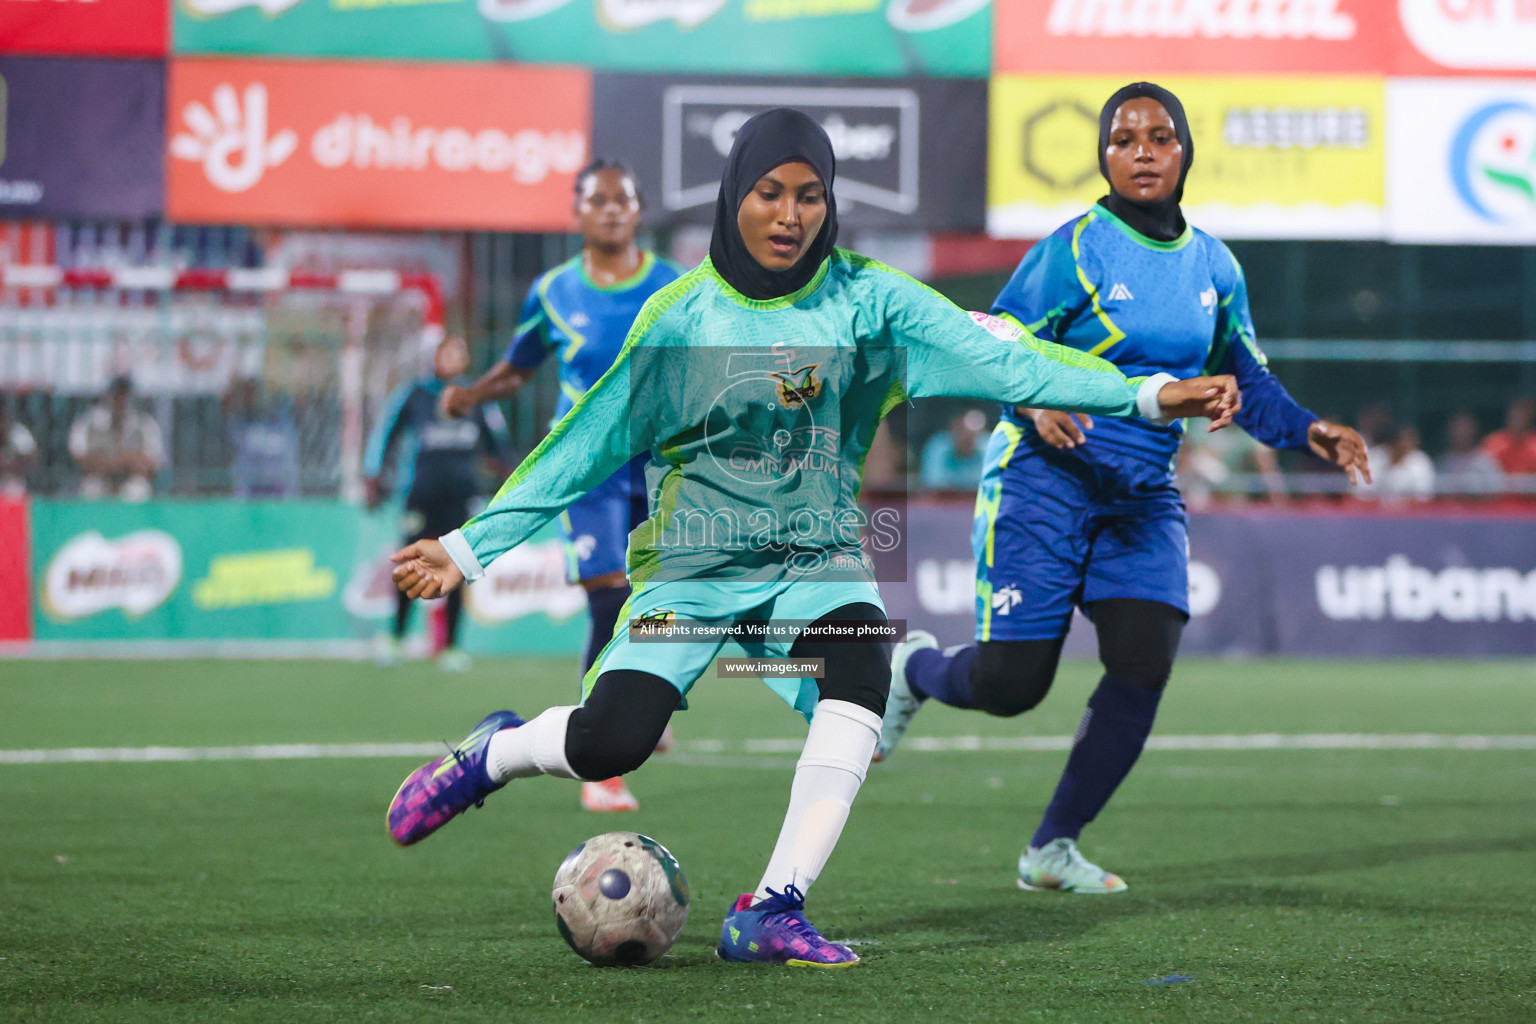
(1285, 885)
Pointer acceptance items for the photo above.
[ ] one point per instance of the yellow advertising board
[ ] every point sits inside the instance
(1275, 157)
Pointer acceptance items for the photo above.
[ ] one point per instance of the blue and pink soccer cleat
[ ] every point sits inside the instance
(775, 931)
(440, 790)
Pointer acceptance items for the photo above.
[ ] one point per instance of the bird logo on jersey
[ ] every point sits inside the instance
(796, 387)
(1005, 600)
(658, 621)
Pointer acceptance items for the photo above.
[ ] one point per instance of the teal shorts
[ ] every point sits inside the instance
(723, 603)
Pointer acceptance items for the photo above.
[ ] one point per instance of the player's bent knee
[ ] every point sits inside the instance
(1009, 677)
(619, 725)
(1138, 640)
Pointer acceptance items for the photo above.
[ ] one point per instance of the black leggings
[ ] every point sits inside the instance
(617, 727)
(1138, 641)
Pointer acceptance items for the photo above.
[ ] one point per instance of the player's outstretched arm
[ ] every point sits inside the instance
(500, 382)
(1341, 446)
(424, 570)
(1216, 398)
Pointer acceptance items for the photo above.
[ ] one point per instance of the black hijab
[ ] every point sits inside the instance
(1162, 220)
(774, 137)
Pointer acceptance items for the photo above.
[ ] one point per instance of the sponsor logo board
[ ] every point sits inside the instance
(376, 145)
(1461, 161)
(1468, 36)
(90, 574)
(1135, 38)
(805, 37)
(908, 152)
(1275, 157)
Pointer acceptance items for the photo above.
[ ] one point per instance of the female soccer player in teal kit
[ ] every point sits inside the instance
(1086, 514)
(755, 383)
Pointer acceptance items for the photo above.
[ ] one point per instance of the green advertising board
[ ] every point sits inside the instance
(268, 571)
(890, 38)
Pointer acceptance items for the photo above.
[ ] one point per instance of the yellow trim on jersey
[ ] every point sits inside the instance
(1115, 335)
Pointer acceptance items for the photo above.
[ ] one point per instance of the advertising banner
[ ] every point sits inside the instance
(1474, 37)
(85, 28)
(815, 37)
(375, 145)
(58, 118)
(1461, 161)
(909, 152)
(1271, 583)
(1137, 38)
(267, 571)
(1275, 157)
(16, 596)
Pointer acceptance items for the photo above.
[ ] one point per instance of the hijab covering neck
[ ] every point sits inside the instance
(1161, 221)
(774, 137)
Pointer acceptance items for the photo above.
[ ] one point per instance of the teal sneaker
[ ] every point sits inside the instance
(903, 702)
(1059, 865)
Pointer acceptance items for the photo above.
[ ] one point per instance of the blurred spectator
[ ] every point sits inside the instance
(1400, 469)
(118, 448)
(953, 458)
(1374, 421)
(17, 454)
(1514, 447)
(1219, 463)
(1465, 468)
(265, 441)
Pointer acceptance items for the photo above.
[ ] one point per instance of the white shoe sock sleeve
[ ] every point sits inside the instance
(831, 768)
(537, 748)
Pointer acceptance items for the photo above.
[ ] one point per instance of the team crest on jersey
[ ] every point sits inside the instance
(1208, 299)
(796, 387)
(658, 621)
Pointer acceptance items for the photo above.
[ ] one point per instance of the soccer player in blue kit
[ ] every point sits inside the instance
(1073, 512)
(438, 473)
(581, 312)
(755, 384)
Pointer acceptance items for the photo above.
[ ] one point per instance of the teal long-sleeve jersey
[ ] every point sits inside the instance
(757, 417)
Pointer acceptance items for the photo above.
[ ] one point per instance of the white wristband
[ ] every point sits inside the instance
(1146, 398)
(463, 555)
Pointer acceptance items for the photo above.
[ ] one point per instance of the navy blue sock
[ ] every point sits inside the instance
(604, 606)
(1109, 740)
(943, 675)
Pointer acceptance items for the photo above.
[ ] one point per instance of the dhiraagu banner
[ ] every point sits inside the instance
(1275, 157)
(268, 571)
(825, 37)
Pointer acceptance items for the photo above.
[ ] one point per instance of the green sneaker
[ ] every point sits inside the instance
(902, 703)
(1058, 865)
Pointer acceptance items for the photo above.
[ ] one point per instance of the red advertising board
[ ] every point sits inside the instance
(1151, 37)
(375, 145)
(16, 595)
(85, 28)
(1160, 37)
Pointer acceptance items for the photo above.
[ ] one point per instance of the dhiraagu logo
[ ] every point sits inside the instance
(1493, 162)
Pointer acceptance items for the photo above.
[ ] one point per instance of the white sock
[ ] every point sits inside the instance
(537, 748)
(827, 778)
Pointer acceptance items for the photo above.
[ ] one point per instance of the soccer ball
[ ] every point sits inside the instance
(620, 899)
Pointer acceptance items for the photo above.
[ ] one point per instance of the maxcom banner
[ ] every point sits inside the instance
(57, 120)
(1299, 157)
(807, 37)
(1272, 583)
(911, 153)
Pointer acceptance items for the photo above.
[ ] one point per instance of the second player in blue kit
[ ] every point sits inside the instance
(580, 312)
(1074, 512)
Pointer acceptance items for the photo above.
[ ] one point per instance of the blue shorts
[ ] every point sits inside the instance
(723, 603)
(1057, 529)
(596, 528)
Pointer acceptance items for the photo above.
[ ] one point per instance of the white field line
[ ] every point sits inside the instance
(925, 744)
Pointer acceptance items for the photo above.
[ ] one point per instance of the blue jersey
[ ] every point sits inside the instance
(584, 323)
(1179, 307)
(439, 462)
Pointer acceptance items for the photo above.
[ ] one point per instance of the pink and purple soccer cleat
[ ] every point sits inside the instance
(775, 931)
(441, 790)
